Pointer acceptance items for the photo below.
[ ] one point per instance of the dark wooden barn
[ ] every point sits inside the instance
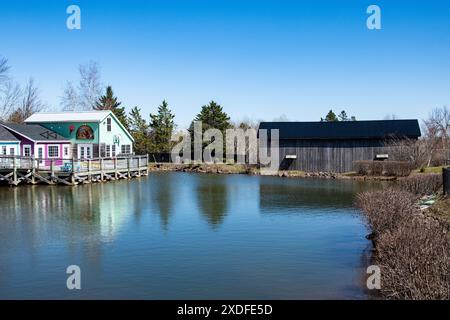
(334, 146)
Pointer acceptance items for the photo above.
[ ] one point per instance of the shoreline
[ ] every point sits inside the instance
(254, 170)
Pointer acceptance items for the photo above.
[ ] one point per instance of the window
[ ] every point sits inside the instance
(4, 150)
(40, 152)
(66, 151)
(108, 150)
(113, 150)
(108, 124)
(125, 149)
(12, 151)
(27, 151)
(53, 151)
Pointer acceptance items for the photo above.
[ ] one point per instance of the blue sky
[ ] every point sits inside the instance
(258, 59)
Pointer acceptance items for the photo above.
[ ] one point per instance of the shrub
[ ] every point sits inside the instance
(411, 249)
(414, 260)
(378, 168)
(422, 184)
(386, 209)
(397, 168)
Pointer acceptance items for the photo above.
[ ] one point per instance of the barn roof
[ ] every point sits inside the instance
(34, 132)
(373, 129)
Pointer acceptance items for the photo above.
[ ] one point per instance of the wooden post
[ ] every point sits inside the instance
(139, 166)
(52, 169)
(33, 171)
(72, 171)
(128, 165)
(14, 171)
(115, 169)
(89, 170)
(101, 169)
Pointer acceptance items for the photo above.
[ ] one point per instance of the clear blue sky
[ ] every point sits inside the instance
(258, 59)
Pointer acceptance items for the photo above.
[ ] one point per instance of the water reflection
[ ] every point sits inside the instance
(163, 197)
(287, 195)
(212, 199)
(236, 236)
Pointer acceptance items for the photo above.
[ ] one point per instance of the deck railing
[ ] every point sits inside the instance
(73, 165)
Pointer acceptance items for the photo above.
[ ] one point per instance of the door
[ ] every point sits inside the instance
(40, 154)
(85, 151)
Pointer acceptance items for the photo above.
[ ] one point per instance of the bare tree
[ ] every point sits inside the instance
(9, 91)
(85, 95)
(9, 99)
(409, 150)
(437, 132)
(4, 68)
(89, 87)
(31, 103)
(70, 98)
(391, 116)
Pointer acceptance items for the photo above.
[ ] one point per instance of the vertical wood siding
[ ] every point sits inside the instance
(328, 155)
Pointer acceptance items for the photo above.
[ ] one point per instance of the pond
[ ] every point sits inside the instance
(185, 236)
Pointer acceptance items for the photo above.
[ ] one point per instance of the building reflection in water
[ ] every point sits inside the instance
(82, 218)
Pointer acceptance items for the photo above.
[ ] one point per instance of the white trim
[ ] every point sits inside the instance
(86, 145)
(23, 150)
(48, 151)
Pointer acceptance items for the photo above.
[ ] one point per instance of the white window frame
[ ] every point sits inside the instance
(4, 150)
(113, 150)
(25, 147)
(48, 151)
(108, 124)
(12, 151)
(108, 150)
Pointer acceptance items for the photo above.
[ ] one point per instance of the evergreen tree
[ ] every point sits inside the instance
(109, 102)
(139, 129)
(213, 116)
(343, 116)
(162, 126)
(331, 116)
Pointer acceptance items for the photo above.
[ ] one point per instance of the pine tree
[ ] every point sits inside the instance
(213, 116)
(343, 116)
(139, 129)
(330, 117)
(162, 126)
(109, 102)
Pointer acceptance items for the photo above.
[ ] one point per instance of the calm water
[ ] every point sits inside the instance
(185, 236)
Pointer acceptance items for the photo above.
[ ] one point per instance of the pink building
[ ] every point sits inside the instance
(40, 143)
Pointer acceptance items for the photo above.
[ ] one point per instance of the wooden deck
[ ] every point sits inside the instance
(16, 170)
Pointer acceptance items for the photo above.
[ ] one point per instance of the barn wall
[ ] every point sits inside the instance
(328, 155)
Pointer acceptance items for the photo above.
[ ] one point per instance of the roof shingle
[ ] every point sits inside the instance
(34, 132)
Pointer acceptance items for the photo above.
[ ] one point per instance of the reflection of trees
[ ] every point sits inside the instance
(163, 196)
(213, 200)
(277, 194)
